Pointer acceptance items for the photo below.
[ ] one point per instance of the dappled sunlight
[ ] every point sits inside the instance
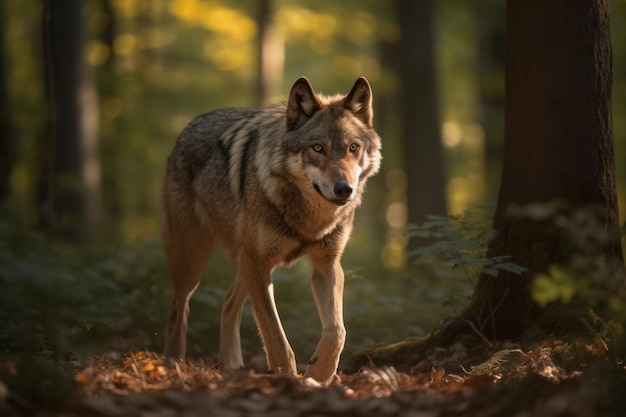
(226, 57)
(396, 215)
(323, 31)
(125, 44)
(465, 192)
(96, 309)
(131, 8)
(304, 25)
(393, 254)
(231, 46)
(215, 17)
(465, 142)
(451, 134)
(98, 53)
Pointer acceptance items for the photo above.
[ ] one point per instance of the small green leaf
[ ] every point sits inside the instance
(558, 285)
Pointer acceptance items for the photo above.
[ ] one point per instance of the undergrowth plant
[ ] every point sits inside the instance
(592, 275)
(459, 241)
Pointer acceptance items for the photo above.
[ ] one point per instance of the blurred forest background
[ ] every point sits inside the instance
(80, 258)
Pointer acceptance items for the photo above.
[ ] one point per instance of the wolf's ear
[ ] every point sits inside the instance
(359, 101)
(302, 104)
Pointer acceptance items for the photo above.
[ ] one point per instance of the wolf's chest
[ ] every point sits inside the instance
(284, 241)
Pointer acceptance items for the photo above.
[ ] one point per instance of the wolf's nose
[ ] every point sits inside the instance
(343, 190)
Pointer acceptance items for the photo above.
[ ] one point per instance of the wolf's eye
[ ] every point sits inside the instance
(318, 148)
(354, 147)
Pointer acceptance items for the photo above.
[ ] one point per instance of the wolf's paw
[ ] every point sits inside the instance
(325, 375)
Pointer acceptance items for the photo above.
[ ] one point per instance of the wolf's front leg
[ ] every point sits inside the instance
(256, 277)
(327, 285)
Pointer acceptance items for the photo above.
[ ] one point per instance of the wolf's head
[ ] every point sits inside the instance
(337, 146)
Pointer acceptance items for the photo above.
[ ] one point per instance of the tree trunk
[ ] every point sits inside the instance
(490, 20)
(558, 152)
(8, 138)
(271, 53)
(73, 175)
(558, 148)
(421, 134)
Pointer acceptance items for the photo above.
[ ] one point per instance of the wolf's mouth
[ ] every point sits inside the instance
(338, 201)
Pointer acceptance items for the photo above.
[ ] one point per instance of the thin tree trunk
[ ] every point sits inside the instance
(421, 136)
(271, 53)
(8, 134)
(71, 183)
(490, 20)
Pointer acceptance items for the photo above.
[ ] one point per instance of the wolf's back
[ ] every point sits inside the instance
(212, 162)
(214, 124)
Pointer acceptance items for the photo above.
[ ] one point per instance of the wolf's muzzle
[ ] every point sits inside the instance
(343, 193)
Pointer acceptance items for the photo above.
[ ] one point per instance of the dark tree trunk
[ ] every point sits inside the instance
(421, 136)
(71, 182)
(490, 20)
(558, 152)
(8, 138)
(558, 148)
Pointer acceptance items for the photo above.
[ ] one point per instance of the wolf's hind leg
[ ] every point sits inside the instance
(188, 251)
(327, 285)
(230, 340)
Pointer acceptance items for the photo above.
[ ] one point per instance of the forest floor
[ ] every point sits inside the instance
(554, 378)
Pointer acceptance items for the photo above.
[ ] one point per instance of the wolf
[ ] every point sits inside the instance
(272, 185)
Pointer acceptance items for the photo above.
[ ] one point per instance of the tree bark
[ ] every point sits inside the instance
(421, 136)
(558, 148)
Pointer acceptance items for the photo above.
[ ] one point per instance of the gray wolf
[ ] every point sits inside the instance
(271, 185)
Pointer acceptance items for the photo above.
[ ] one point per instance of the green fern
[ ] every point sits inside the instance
(460, 241)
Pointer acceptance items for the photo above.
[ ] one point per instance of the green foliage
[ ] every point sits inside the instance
(460, 241)
(592, 274)
(60, 301)
(557, 285)
(54, 295)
